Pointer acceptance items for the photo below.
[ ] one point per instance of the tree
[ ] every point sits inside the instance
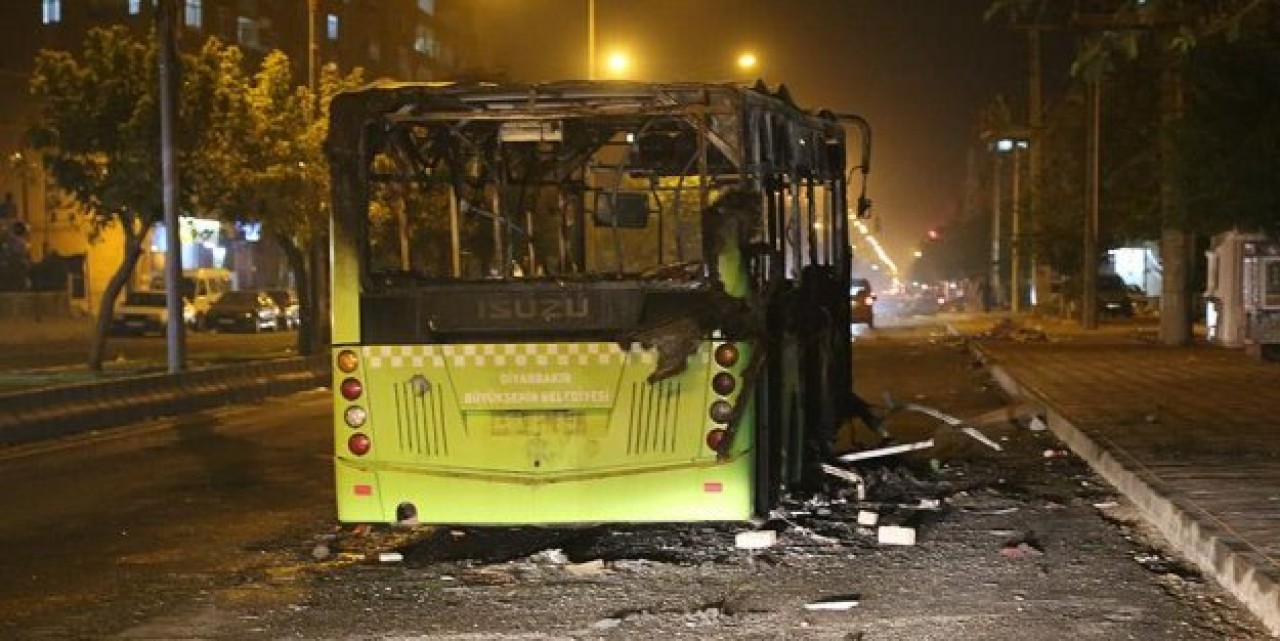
(1168, 30)
(98, 129)
(1232, 134)
(283, 181)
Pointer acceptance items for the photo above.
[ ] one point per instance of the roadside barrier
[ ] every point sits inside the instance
(34, 415)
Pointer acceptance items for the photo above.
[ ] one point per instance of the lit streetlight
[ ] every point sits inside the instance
(747, 61)
(618, 63)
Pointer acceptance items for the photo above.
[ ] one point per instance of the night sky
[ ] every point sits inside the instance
(919, 70)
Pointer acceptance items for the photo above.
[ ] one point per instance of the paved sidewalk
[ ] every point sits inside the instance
(1191, 435)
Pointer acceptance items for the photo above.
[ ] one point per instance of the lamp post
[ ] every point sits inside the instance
(591, 39)
(1015, 230)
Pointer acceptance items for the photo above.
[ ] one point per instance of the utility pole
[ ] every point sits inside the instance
(994, 288)
(1015, 233)
(168, 58)
(1035, 157)
(1089, 262)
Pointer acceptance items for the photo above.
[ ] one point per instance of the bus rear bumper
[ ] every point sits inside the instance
(720, 492)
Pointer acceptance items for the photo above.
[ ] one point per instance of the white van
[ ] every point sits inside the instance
(202, 286)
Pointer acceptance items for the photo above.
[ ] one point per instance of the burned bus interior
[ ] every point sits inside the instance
(596, 210)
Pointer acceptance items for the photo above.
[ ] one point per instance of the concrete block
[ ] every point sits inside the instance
(896, 535)
(867, 518)
(755, 540)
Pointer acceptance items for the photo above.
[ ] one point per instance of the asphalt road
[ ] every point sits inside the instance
(61, 360)
(106, 531)
(220, 526)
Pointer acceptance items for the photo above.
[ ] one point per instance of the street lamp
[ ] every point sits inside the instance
(618, 63)
(1015, 146)
(747, 61)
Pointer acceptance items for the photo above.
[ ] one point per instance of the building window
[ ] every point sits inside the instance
(51, 11)
(427, 6)
(247, 32)
(331, 26)
(424, 41)
(193, 16)
(135, 7)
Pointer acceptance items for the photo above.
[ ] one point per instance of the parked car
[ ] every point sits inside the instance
(148, 313)
(1114, 296)
(202, 286)
(243, 311)
(862, 302)
(287, 304)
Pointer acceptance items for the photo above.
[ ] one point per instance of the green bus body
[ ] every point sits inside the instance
(539, 433)
(583, 302)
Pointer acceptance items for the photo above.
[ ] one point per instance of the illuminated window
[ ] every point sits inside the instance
(427, 6)
(193, 16)
(331, 26)
(51, 11)
(135, 7)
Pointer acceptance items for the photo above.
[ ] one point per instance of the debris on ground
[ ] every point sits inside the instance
(946, 419)
(833, 603)
(1007, 330)
(895, 535)
(890, 450)
(755, 539)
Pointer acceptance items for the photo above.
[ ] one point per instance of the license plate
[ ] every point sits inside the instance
(538, 423)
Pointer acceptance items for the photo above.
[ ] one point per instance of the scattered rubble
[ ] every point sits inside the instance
(1007, 330)
(833, 603)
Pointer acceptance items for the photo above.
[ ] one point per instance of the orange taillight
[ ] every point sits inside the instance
(347, 361)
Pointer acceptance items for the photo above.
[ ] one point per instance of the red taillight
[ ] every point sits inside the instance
(723, 383)
(715, 438)
(347, 361)
(727, 355)
(351, 388)
(359, 444)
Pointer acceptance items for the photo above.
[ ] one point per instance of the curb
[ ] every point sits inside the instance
(1246, 574)
(29, 416)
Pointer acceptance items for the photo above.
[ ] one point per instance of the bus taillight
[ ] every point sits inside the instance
(727, 355)
(714, 438)
(355, 416)
(351, 388)
(359, 444)
(347, 361)
(723, 383)
(721, 411)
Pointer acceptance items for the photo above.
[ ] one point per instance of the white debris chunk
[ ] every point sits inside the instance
(896, 535)
(1037, 425)
(982, 438)
(886, 451)
(832, 603)
(867, 518)
(390, 557)
(550, 557)
(755, 539)
(588, 568)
